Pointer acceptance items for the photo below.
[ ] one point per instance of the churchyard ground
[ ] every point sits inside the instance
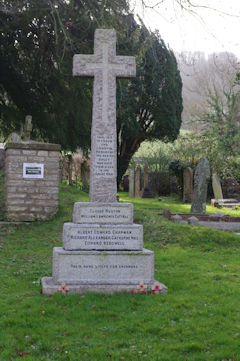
(199, 318)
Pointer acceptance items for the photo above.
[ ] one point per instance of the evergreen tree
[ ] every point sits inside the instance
(38, 41)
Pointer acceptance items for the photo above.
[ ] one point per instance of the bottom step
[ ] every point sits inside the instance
(49, 287)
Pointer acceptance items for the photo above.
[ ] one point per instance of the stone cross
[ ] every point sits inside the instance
(27, 127)
(104, 65)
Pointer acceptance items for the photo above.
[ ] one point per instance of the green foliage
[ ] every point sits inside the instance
(198, 319)
(157, 154)
(151, 106)
(177, 167)
(37, 47)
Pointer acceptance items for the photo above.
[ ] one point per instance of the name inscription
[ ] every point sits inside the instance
(102, 214)
(107, 237)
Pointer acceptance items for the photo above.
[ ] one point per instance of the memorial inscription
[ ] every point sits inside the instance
(102, 249)
(118, 213)
(109, 267)
(104, 157)
(102, 237)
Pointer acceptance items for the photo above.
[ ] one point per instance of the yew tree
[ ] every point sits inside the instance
(37, 44)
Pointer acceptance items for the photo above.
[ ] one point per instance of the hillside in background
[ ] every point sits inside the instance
(203, 76)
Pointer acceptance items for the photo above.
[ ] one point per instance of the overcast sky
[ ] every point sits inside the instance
(205, 30)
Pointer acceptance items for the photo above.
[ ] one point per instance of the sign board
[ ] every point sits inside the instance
(33, 170)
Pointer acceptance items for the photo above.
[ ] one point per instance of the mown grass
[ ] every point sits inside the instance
(199, 318)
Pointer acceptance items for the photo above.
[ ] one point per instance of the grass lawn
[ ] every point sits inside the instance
(198, 320)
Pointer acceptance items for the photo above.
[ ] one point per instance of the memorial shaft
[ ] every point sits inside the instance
(104, 66)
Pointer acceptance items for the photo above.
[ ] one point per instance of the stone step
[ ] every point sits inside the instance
(49, 287)
(105, 267)
(102, 236)
(98, 212)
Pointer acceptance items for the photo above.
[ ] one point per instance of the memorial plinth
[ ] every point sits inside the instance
(102, 248)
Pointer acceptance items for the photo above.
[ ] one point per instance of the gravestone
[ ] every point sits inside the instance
(146, 191)
(138, 192)
(27, 127)
(102, 248)
(217, 189)
(132, 182)
(201, 179)
(126, 183)
(188, 185)
(2, 159)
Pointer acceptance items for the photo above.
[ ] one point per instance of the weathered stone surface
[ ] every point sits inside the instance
(94, 212)
(194, 221)
(188, 185)
(102, 248)
(138, 192)
(2, 159)
(176, 218)
(102, 237)
(33, 145)
(201, 179)
(50, 288)
(107, 267)
(217, 214)
(104, 66)
(217, 189)
(37, 197)
(132, 182)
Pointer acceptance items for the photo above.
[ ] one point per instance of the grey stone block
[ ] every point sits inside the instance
(102, 237)
(115, 213)
(105, 267)
(50, 288)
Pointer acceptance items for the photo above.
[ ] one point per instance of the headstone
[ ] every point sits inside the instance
(138, 182)
(102, 248)
(188, 185)
(217, 189)
(146, 191)
(201, 179)
(126, 183)
(193, 221)
(27, 127)
(145, 176)
(132, 182)
(2, 159)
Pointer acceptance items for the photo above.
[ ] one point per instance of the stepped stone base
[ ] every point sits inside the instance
(49, 287)
(102, 267)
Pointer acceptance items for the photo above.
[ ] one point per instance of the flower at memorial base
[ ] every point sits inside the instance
(133, 292)
(63, 288)
(142, 287)
(156, 289)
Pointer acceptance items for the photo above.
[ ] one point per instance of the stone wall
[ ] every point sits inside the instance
(29, 199)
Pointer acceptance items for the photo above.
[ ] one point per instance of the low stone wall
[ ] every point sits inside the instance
(30, 196)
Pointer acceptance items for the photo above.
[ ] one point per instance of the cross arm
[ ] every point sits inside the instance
(124, 66)
(84, 65)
